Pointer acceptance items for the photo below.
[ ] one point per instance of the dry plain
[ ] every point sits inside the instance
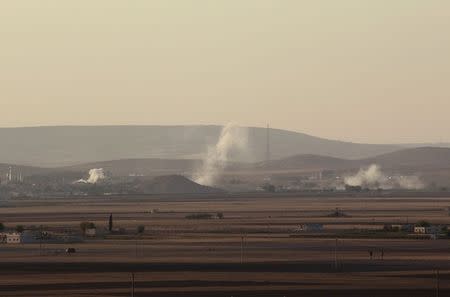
(252, 251)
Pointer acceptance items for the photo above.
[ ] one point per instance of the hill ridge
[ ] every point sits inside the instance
(55, 146)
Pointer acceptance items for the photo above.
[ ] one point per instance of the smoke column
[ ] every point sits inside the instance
(374, 178)
(233, 141)
(95, 175)
(369, 178)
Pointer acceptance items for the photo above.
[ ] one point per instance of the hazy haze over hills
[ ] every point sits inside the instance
(423, 158)
(70, 145)
(431, 165)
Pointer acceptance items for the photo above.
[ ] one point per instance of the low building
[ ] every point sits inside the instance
(90, 232)
(402, 227)
(12, 238)
(426, 230)
(30, 236)
(309, 228)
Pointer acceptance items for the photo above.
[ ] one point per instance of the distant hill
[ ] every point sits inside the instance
(307, 163)
(423, 158)
(174, 184)
(430, 144)
(426, 158)
(71, 145)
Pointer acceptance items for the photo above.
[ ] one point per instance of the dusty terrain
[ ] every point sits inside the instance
(253, 251)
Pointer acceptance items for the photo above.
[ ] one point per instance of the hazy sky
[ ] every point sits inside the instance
(367, 71)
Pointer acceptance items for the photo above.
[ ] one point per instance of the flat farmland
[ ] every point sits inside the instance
(253, 251)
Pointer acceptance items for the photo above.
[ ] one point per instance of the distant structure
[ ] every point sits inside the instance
(309, 228)
(90, 232)
(16, 238)
(400, 227)
(9, 174)
(13, 178)
(338, 213)
(426, 230)
(110, 223)
(13, 238)
(267, 144)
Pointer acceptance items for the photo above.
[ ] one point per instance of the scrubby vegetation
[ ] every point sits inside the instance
(86, 225)
(20, 228)
(140, 229)
(423, 223)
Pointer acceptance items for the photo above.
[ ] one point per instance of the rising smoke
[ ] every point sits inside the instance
(233, 141)
(95, 175)
(373, 178)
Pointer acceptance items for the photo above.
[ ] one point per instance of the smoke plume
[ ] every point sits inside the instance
(233, 141)
(373, 178)
(95, 175)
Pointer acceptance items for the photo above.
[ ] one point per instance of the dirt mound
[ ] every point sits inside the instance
(175, 184)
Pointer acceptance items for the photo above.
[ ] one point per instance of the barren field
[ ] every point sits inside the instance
(252, 251)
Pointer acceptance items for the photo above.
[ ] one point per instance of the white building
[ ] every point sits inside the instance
(91, 232)
(12, 238)
(426, 230)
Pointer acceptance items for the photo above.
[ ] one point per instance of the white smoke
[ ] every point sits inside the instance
(95, 175)
(373, 178)
(409, 182)
(367, 178)
(233, 141)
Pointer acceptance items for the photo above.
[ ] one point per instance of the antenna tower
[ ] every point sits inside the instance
(267, 144)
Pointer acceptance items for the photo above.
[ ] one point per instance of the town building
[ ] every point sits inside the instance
(12, 238)
(426, 230)
(402, 227)
(90, 232)
(309, 228)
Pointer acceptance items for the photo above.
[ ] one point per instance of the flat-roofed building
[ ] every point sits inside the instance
(12, 238)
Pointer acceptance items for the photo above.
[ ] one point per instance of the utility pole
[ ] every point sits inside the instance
(437, 283)
(40, 240)
(242, 249)
(132, 284)
(110, 223)
(136, 248)
(335, 255)
(267, 143)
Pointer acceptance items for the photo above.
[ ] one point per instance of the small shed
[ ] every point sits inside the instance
(309, 228)
(403, 227)
(90, 232)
